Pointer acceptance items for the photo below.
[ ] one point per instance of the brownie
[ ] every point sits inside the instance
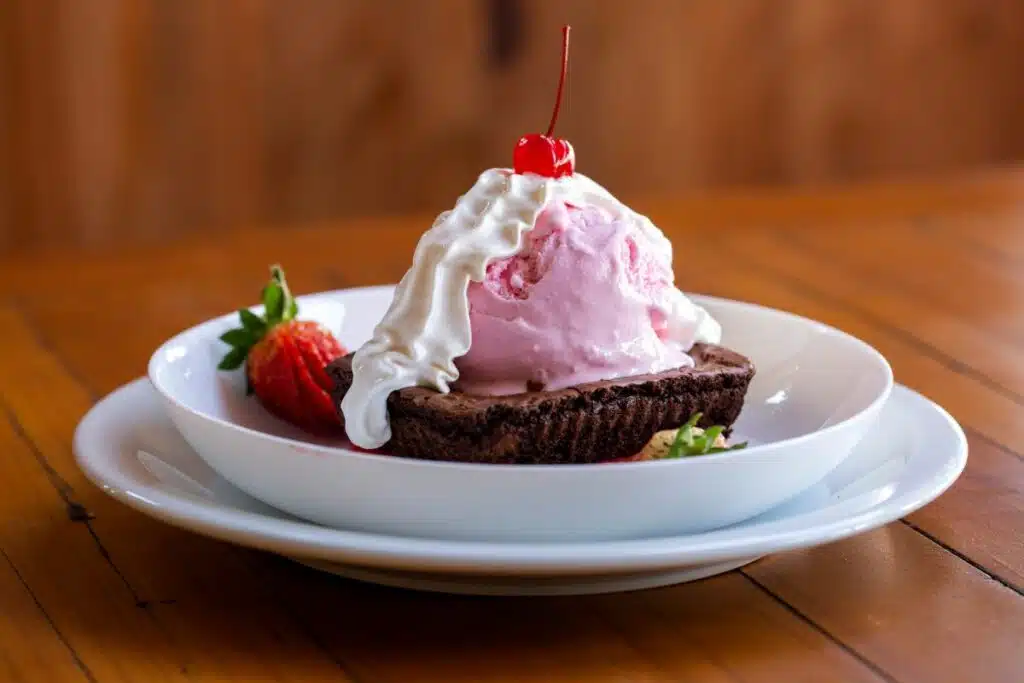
(587, 423)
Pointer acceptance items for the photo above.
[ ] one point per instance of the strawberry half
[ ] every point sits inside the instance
(285, 359)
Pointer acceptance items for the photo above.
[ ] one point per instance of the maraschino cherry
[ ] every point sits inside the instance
(543, 154)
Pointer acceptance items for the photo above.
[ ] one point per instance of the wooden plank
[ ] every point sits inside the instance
(671, 624)
(996, 234)
(69, 575)
(38, 132)
(232, 74)
(166, 118)
(192, 605)
(915, 610)
(11, 197)
(948, 276)
(102, 49)
(982, 516)
(928, 322)
(723, 630)
(31, 648)
(964, 194)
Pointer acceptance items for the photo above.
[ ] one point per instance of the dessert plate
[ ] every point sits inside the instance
(816, 393)
(129, 448)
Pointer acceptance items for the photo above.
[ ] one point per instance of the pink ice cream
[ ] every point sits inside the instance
(586, 299)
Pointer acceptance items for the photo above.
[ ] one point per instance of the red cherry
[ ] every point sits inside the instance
(543, 154)
(549, 157)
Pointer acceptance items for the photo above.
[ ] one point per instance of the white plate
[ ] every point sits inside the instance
(128, 447)
(816, 392)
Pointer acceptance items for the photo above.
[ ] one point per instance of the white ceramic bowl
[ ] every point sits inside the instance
(816, 393)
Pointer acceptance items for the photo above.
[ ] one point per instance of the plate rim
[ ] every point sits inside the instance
(306, 539)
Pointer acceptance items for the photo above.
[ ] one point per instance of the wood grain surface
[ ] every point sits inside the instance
(931, 273)
(142, 120)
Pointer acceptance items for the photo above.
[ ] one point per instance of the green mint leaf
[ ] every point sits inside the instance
(689, 440)
(233, 360)
(239, 337)
(678, 445)
(292, 309)
(710, 434)
(686, 443)
(252, 322)
(683, 443)
(735, 447)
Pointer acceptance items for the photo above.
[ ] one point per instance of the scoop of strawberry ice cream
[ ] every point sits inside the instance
(590, 296)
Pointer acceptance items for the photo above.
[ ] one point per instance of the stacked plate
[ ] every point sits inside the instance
(835, 449)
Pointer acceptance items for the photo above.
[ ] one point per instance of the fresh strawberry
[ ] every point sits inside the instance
(285, 359)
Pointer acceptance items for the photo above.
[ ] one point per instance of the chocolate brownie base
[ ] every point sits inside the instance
(583, 424)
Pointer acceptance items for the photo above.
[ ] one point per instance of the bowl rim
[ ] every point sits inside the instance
(156, 360)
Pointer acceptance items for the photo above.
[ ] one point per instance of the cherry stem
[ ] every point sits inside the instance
(561, 80)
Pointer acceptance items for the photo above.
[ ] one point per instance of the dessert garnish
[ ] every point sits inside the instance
(543, 154)
(686, 441)
(692, 440)
(285, 359)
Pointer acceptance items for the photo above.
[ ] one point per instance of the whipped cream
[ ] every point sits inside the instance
(427, 325)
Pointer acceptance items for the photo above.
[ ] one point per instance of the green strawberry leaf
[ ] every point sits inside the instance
(234, 359)
(279, 306)
(278, 301)
(238, 337)
(252, 322)
(273, 303)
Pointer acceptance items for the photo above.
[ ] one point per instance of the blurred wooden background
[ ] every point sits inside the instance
(144, 120)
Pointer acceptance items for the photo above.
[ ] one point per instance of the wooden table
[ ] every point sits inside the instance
(930, 273)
